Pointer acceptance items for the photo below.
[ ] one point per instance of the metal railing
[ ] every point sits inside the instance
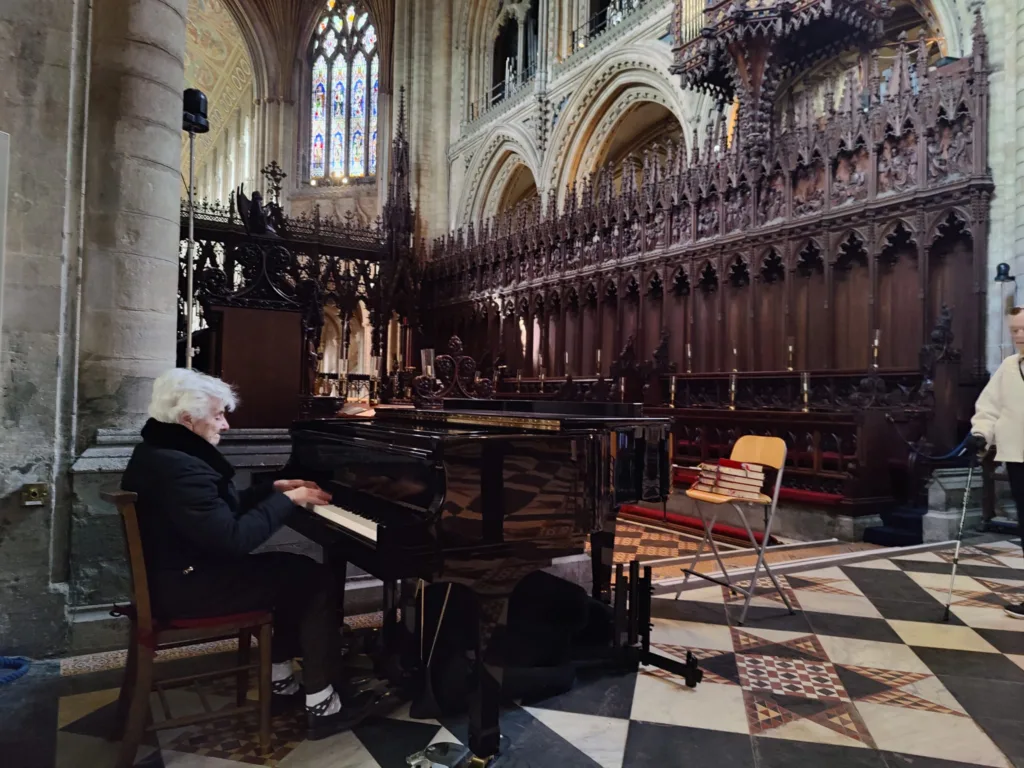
(616, 12)
(503, 90)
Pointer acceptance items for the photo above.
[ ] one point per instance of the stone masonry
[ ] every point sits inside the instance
(90, 279)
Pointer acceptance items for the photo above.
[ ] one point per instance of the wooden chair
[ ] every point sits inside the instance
(149, 634)
(752, 449)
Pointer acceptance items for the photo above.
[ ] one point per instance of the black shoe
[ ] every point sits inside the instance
(280, 702)
(1015, 611)
(352, 713)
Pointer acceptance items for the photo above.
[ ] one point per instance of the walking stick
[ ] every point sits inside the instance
(960, 533)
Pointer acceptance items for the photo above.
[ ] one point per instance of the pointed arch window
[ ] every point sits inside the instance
(344, 88)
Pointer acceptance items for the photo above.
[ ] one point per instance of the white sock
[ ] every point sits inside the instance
(312, 699)
(280, 670)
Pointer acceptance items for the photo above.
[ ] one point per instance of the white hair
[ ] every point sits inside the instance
(181, 391)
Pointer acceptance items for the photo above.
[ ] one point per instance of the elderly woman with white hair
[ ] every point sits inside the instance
(198, 532)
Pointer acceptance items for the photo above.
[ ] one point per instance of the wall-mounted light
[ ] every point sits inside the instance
(1003, 276)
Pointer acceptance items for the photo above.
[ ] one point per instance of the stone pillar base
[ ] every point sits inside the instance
(946, 490)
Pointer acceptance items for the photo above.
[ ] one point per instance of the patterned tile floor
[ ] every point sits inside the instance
(864, 675)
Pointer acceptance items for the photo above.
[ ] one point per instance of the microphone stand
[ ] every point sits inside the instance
(190, 265)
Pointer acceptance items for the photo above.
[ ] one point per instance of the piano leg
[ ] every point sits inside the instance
(389, 628)
(485, 706)
(602, 553)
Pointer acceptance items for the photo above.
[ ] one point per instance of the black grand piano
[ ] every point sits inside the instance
(479, 493)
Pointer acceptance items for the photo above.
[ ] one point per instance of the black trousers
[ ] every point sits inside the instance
(301, 592)
(1015, 473)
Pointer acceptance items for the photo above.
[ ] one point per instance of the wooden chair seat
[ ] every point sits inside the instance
(718, 498)
(173, 632)
(148, 634)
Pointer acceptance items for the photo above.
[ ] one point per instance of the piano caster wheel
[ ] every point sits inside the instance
(452, 756)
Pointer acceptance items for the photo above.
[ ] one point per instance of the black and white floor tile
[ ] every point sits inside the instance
(865, 674)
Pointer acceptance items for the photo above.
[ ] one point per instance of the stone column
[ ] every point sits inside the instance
(130, 261)
(520, 51)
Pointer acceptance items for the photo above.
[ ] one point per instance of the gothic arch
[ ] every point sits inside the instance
(508, 144)
(941, 222)
(633, 105)
(481, 20)
(631, 69)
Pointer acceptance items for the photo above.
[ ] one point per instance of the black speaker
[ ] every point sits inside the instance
(194, 118)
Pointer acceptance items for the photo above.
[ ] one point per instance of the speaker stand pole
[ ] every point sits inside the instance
(190, 264)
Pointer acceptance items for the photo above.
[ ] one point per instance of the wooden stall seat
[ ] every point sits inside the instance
(148, 634)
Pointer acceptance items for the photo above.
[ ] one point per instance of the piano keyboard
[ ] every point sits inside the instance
(360, 526)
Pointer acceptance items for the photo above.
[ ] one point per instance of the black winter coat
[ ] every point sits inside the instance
(190, 513)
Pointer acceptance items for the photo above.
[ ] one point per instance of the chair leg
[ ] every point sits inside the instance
(759, 563)
(127, 685)
(696, 555)
(265, 692)
(138, 709)
(242, 679)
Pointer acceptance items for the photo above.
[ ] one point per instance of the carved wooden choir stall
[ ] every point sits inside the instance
(810, 270)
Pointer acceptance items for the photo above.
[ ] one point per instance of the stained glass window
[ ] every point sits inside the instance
(345, 86)
(318, 118)
(374, 78)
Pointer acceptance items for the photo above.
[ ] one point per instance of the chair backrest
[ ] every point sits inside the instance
(125, 503)
(760, 449)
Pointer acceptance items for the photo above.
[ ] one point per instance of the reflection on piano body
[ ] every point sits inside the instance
(481, 494)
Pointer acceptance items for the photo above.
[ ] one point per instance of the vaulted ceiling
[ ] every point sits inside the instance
(217, 63)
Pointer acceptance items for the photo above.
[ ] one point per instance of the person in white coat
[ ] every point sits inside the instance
(999, 421)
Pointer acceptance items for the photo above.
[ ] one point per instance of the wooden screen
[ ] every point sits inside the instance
(259, 351)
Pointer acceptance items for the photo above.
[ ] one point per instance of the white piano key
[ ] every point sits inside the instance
(346, 519)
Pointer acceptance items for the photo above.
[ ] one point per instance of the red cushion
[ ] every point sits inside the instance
(685, 476)
(690, 522)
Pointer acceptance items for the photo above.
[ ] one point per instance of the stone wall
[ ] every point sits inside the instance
(43, 66)
(91, 265)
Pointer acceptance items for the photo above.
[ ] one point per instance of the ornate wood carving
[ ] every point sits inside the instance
(907, 146)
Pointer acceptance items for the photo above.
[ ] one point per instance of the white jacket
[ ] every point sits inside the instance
(999, 412)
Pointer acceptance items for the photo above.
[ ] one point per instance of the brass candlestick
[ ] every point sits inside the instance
(672, 392)
(735, 359)
(874, 349)
(689, 358)
(374, 393)
(519, 382)
(805, 390)
(789, 354)
(543, 375)
(732, 391)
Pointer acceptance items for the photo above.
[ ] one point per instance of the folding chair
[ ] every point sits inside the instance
(752, 449)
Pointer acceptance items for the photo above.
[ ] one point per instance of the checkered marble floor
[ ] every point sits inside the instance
(864, 674)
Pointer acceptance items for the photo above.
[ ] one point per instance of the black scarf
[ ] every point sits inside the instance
(176, 437)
